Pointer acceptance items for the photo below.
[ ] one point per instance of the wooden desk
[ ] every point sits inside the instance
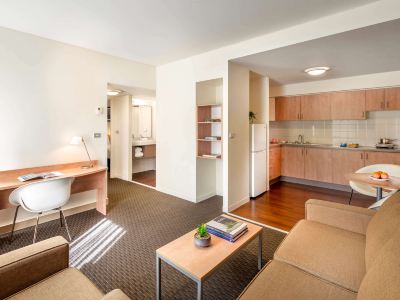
(392, 184)
(85, 180)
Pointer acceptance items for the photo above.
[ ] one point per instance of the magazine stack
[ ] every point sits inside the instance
(227, 228)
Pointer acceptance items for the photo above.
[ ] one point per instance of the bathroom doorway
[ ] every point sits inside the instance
(132, 134)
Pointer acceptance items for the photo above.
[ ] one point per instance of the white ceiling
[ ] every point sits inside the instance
(372, 49)
(159, 31)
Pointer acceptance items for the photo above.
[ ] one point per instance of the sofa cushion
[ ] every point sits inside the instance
(67, 284)
(382, 227)
(328, 252)
(382, 280)
(279, 280)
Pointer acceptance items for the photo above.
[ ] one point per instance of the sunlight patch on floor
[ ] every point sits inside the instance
(90, 247)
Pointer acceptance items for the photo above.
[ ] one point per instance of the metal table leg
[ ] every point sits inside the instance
(260, 251)
(158, 277)
(199, 290)
(378, 193)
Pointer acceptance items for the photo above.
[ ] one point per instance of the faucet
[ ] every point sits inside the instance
(300, 139)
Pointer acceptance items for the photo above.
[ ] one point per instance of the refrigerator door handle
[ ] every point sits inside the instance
(259, 151)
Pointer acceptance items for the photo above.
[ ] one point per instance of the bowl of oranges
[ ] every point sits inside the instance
(379, 176)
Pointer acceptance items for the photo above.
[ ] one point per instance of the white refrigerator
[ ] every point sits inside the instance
(258, 159)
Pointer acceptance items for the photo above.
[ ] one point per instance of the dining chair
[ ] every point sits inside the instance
(40, 197)
(365, 189)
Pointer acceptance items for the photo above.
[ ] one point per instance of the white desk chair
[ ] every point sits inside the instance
(365, 189)
(43, 196)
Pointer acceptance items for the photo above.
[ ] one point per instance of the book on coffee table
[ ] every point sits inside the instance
(226, 228)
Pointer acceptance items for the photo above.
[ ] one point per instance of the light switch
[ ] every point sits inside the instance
(97, 135)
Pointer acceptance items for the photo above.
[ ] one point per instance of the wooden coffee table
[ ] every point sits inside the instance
(199, 263)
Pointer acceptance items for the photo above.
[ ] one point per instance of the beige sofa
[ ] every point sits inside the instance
(41, 271)
(337, 252)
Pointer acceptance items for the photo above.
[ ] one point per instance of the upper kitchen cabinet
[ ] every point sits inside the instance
(287, 108)
(348, 105)
(375, 99)
(392, 98)
(315, 107)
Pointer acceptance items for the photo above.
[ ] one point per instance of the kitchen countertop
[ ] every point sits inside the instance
(324, 146)
(143, 142)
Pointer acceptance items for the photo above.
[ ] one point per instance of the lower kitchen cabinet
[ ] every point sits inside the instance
(293, 161)
(373, 157)
(318, 164)
(344, 162)
(274, 162)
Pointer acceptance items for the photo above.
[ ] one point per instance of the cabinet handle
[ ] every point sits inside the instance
(363, 114)
(298, 116)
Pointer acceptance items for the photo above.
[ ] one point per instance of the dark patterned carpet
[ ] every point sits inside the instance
(119, 251)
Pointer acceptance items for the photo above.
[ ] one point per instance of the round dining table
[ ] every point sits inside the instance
(393, 183)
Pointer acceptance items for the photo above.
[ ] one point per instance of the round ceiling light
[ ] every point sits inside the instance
(316, 71)
(113, 92)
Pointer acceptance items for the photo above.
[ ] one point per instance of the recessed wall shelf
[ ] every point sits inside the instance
(205, 129)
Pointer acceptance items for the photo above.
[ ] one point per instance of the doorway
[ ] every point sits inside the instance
(131, 134)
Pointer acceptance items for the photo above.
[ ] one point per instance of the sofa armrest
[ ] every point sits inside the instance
(26, 266)
(351, 218)
(116, 294)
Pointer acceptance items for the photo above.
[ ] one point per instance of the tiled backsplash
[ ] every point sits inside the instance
(380, 124)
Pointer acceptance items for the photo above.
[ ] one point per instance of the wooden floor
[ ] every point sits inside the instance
(147, 177)
(283, 206)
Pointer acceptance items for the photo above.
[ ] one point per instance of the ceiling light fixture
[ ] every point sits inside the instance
(113, 92)
(316, 71)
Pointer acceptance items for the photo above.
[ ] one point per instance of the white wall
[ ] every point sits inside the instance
(259, 96)
(238, 145)
(177, 80)
(176, 130)
(48, 93)
(121, 142)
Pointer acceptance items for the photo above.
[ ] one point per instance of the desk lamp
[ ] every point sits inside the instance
(78, 140)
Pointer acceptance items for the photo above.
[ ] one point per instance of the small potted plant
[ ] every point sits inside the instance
(202, 238)
(252, 117)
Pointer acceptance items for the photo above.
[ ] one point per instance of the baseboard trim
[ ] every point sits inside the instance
(205, 196)
(175, 194)
(258, 223)
(46, 218)
(332, 186)
(238, 204)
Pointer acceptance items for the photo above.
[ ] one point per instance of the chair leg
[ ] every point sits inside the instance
(13, 225)
(351, 196)
(66, 225)
(36, 227)
(61, 221)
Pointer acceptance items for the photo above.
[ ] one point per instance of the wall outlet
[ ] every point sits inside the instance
(97, 135)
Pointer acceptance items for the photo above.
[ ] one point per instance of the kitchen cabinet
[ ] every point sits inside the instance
(344, 162)
(375, 99)
(287, 108)
(348, 105)
(392, 98)
(293, 162)
(274, 162)
(318, 164)
(373, 157)
(315, 107)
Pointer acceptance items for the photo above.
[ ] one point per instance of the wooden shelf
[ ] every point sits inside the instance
(210, 122)
(204, 157)
(205, 140)
(215, 104)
